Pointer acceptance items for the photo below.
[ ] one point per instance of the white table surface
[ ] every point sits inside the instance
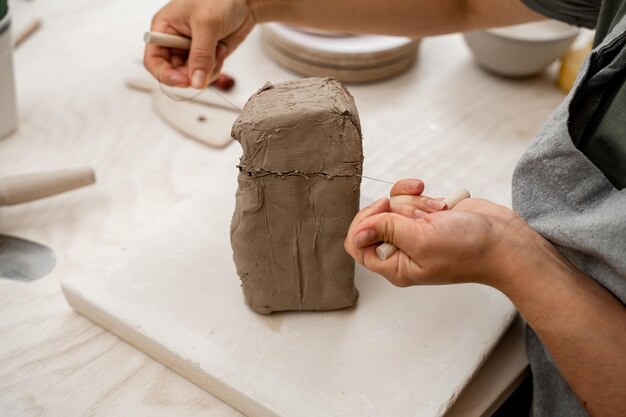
(75, 110)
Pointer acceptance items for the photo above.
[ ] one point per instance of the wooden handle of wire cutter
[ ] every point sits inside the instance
(166, 40)
(385, 250)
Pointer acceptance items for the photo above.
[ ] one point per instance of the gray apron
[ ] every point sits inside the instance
(568, 200)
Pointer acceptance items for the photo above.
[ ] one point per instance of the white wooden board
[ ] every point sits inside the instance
(500, 375)
(174, 294)
(445, 121)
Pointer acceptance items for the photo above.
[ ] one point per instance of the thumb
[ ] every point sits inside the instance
(201, 61)
(392, 228)
(385, 227)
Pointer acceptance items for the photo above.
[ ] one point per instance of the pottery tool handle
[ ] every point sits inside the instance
(166, 40)
(28, 187)
(25, 33)
(385, 250)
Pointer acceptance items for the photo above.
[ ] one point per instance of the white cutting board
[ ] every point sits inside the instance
(173, 293)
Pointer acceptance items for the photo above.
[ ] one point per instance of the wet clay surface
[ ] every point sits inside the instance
(298, 192)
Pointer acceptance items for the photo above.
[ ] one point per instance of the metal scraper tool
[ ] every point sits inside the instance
(23, 260)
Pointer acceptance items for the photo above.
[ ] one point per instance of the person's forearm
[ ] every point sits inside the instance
(415, 18)
(581, 323)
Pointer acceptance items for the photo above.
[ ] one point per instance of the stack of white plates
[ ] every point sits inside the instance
(349, 58)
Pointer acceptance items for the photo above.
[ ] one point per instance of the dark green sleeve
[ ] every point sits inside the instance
(4, 8)
(575, 12)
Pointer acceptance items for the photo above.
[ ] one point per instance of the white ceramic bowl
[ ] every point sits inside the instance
(521, 50)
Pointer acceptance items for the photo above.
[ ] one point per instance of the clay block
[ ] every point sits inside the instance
(298, 192)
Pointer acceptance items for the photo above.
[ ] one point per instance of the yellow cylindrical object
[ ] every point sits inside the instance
(570, 64)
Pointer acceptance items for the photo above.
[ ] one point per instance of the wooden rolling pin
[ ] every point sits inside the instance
(385, 250)
(28, 187)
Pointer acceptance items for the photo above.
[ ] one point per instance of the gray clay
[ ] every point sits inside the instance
(298, 192)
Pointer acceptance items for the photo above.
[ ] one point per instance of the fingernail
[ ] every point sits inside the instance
(364, 238)
(435, 204)
(414, 184)
(177, 80)
(198, 79)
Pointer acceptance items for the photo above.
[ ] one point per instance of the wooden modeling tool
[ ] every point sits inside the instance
(28, 187)
(167, 40)
(385, 250)
(210, 127)
(24, 260)
(25, 33)
(204, 117)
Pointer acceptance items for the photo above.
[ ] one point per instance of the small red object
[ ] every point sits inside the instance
(224, 82)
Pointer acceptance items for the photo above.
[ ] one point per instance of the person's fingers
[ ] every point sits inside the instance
(220, 54)
(400, 269)
(406, 205)
(233, 40)
(154, 58)
(379, 206)
(164, 63)
(227, 45)
(407, 186)
(201, 61)
(177, 60)
(175, 77)
(414, 205)
(157, 62)
(383, 227)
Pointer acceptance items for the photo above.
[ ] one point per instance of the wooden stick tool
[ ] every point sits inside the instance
(385, 250)
(25, 33)
(167, 41)
(28, 187)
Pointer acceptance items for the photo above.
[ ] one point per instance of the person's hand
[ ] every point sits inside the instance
(216, 28)
(477, 241)
(407, 199)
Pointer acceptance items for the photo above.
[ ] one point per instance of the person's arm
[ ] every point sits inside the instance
(413, 18)
(579, 321)
(217, 27)
(582, 324)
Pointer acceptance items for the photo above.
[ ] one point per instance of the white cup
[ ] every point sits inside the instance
(8, 104)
